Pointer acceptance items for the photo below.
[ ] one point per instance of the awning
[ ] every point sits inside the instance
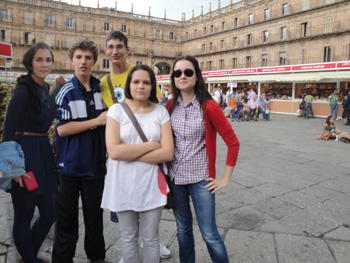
(336, 75)
(164, 81)
(299, 77)
(292, 77)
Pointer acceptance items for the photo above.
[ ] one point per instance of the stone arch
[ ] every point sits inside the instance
(163, 68)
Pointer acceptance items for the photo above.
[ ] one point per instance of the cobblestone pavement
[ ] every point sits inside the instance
(288, 200)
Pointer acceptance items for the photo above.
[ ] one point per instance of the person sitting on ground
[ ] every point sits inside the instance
(336, 133)
(252, 105)
(231, 106)
(262, 108)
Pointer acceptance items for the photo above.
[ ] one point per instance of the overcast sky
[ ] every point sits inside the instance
(174, 8)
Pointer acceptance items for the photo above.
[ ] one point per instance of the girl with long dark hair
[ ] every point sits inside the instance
(196, 119)
(28, 118)
(336, 133)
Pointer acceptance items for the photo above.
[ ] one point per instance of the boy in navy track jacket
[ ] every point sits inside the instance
(81, 158)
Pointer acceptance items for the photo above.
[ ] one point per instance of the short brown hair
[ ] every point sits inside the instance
(83, 44)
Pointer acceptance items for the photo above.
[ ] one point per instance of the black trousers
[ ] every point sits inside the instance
(29, 238)
(67, 222)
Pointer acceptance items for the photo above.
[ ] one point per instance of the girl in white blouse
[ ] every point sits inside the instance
(134, 187)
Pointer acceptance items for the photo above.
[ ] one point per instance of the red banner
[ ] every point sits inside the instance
(274, 69)
(314, 67)
(243, 71)
(277, 69)
(5, 50)
(343, 64)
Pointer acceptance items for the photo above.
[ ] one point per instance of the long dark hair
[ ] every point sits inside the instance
(26, 80)
(200, 89)
(328, 120)
(153, 95)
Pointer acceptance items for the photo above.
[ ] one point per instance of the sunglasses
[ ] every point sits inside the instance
(188, 73)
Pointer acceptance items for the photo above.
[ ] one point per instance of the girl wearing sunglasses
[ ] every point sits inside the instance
(195, 119)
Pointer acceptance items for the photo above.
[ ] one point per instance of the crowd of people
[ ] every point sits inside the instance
(243, 105)
(91, 125)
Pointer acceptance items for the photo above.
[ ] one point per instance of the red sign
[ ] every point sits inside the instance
(274, 69)
(343, 64)
(217, 73)
(163, 77)
(242, 71)
(314, 67)
(277, 69)
(5, 50)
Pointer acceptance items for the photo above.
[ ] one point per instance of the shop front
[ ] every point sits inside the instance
(285, 86)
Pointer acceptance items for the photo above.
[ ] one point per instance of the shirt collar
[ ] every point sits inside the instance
(193, 102)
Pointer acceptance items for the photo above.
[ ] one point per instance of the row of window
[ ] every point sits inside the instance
(50, 21)
(285, 8)
(265, 61)
(107, 28)
(265, 38)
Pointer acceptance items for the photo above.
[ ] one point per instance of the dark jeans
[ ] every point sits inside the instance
(28, 239)
(67, 222)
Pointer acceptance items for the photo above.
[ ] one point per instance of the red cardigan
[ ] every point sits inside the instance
(215, 121)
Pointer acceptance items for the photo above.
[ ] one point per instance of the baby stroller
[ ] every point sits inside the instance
(301, 110)
(237, 115)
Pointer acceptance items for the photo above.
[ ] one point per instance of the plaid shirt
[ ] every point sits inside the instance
(190, 162)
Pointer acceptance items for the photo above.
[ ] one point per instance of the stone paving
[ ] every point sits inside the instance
(288, 200)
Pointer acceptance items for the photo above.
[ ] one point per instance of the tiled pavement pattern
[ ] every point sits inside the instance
(288, 200)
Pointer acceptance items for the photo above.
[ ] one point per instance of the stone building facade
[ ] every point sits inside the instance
(249, 33)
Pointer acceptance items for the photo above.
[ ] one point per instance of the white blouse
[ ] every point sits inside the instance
(134, 185)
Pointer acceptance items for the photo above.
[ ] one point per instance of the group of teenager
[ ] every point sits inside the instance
(182, 135)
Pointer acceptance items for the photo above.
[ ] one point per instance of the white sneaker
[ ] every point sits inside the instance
(164, 252)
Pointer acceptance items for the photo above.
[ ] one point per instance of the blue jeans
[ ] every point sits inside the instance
(334, 109)
(204, 206)
(11, 159)
(265, 116)
(308, 106)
